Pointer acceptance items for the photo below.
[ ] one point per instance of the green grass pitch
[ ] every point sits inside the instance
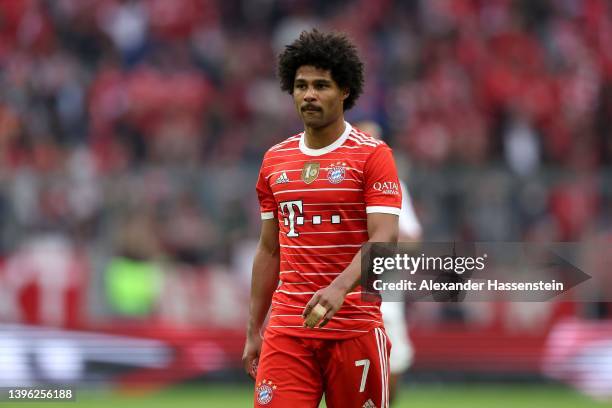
(413, 396)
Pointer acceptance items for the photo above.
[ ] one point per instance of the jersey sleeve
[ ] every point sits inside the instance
(381, 185)
(267, 204)
(409, 225)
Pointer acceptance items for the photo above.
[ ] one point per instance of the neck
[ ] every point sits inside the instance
(317, 138)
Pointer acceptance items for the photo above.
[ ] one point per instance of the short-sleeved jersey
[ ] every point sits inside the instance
(321, 198)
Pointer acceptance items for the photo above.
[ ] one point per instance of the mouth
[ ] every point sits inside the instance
(310, 109)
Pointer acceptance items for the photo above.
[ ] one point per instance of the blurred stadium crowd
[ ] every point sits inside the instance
(132, 131)
(141, 123)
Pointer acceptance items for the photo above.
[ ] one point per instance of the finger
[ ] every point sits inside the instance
(251, 368)
(325, 303)
(311, 303)
(315, 316)
(254, 365)
(328, 316)
(250, 365)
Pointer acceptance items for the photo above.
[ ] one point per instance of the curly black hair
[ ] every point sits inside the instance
(329, 51)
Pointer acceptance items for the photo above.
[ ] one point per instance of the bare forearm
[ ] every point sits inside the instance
(351, 276)
(263, 284)
(381, 228)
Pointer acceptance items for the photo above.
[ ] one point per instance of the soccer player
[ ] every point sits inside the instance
(323, 193)
(394, 313)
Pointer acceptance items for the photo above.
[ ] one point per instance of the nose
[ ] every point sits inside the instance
(310, 94)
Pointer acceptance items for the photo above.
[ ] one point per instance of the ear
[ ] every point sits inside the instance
(345, 93)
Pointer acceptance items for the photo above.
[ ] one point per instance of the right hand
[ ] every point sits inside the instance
(250, 355)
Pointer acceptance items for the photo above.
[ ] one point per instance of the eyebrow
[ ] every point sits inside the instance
(317, 80)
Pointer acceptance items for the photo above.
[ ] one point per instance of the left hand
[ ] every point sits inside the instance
(330, 298)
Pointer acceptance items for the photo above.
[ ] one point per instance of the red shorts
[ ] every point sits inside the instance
(295, 372)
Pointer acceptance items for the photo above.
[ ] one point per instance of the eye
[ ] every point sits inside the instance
(300, 86)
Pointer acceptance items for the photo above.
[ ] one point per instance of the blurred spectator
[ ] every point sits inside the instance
(133, 276)
(521, 147)
(189, 236)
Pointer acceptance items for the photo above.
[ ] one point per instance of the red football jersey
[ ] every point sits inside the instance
(321, 198)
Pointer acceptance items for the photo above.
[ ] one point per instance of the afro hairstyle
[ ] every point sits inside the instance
(328, 51)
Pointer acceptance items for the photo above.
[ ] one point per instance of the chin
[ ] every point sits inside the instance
(312, 123)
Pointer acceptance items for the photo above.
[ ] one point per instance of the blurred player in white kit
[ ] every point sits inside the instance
(394, 315)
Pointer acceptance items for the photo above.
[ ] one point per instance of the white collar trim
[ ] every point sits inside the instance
(336, 144)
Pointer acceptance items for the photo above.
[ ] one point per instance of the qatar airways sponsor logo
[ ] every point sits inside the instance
(387, 187)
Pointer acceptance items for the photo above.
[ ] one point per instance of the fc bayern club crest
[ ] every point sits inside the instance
(336, 173)
(264, 392)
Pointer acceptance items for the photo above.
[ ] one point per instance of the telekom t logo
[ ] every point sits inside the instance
(292, 219)
(295, 217)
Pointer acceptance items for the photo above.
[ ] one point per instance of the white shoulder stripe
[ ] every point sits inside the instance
(286, 150)
(284, 142)
(359, 135)
(360, 142)
(366, 137)
(359, 146)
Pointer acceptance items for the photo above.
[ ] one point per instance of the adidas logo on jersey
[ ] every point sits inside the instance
(282, 179)
(369, 404)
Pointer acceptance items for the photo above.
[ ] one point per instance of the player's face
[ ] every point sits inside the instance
(317, 97)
